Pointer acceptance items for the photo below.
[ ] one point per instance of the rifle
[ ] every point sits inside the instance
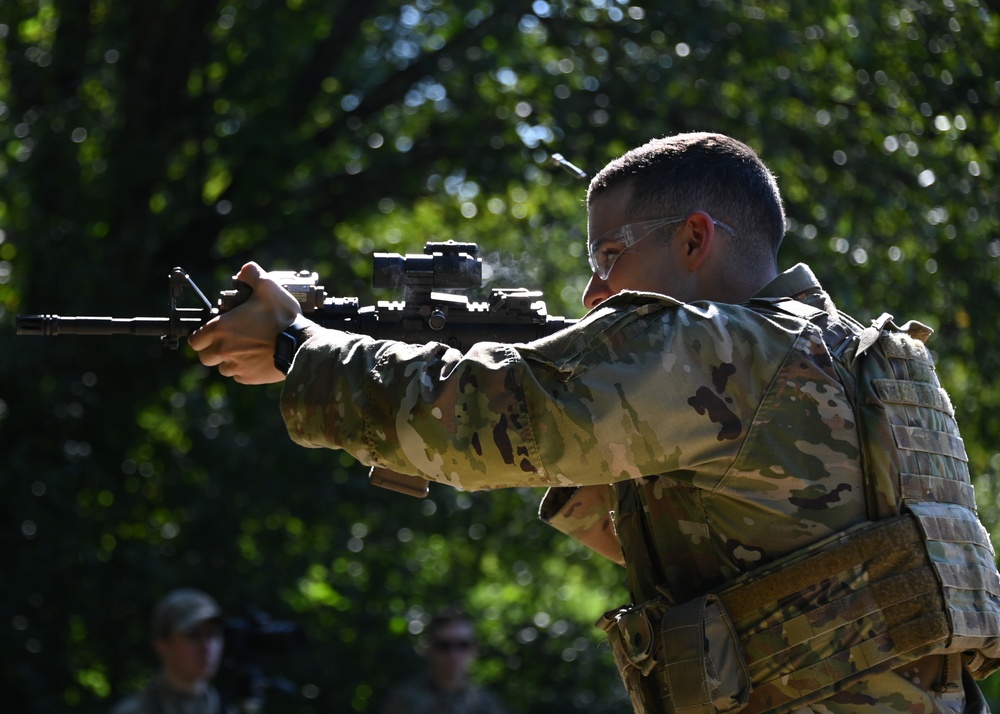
(424, 314)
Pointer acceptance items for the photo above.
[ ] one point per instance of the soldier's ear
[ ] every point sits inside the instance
(694, 241)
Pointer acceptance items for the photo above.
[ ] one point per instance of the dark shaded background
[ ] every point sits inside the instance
(310, 134)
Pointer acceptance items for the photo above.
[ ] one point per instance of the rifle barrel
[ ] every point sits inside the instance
(52, 325)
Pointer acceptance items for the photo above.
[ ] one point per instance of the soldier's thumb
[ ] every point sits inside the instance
(250, 274)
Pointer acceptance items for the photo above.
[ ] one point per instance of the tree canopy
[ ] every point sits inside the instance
(310, 134)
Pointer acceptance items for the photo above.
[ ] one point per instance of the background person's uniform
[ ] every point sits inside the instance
(726, 430)
(160, 698)
(420, 696)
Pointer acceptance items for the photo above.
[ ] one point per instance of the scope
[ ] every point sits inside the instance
(444, 265)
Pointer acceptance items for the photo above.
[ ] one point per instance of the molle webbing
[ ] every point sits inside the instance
(899, 401)
(965, 564)
(932, 461)
(809, 625)
(869, 600)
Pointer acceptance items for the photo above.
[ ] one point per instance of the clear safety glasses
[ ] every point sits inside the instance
(604, 251)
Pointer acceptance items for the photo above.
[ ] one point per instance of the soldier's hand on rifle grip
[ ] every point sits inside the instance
(241, 342)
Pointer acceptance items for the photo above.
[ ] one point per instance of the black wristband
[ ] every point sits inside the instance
(287, 343)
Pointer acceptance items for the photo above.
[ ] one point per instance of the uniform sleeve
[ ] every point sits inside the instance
(584, 514)
(643, 385)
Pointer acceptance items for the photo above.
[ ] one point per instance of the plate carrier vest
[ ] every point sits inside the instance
(919, 578)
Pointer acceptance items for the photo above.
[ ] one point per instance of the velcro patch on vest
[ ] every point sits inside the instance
(917, 394)
(899, 345)
(915, 438)
(944, 489)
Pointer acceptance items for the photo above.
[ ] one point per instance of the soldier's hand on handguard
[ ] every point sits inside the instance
(241, 341)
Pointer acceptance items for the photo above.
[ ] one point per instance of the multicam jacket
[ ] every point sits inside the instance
(722, 429)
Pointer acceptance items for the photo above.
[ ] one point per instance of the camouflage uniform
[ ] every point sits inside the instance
(723, 430)
(420, 696)
(159, 698)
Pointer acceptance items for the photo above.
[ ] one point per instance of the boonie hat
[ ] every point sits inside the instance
(182, 609)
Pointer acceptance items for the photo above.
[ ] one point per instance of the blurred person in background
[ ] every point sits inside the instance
(187, 633)
(448, 648)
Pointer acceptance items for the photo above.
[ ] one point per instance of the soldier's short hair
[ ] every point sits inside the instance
(679, 174)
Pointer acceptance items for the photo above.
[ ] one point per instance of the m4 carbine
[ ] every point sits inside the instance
(423, 315)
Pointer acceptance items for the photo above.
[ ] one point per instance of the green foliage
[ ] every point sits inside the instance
(309, 134)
